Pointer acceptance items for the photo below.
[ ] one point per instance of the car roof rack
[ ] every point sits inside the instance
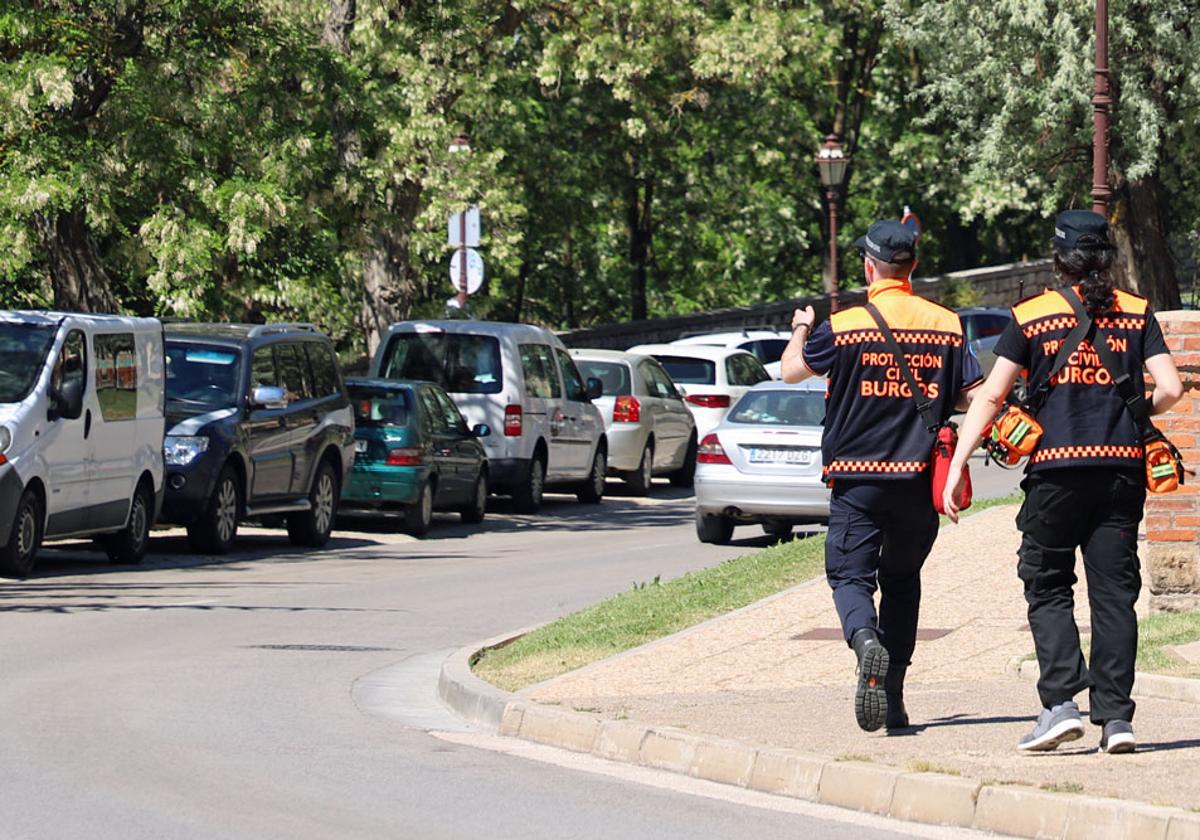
(275, 329)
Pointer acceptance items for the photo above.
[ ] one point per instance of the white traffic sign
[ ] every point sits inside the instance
(455, 228)
(474, 270)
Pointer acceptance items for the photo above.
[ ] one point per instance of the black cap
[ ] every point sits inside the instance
(1080, 229)
(888, 241)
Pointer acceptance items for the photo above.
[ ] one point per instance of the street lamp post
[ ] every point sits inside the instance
(832, 163)
(1101, 103)
(460, 145)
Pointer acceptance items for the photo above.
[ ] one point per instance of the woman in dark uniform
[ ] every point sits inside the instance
(1085, 485)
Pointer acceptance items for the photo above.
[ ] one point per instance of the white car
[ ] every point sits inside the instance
(766, 345)
(763, 464)
(519, 380)
(650, 430)
(711, 378)
(81, 433)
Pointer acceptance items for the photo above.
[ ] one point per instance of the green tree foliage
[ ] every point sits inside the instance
(248, 159)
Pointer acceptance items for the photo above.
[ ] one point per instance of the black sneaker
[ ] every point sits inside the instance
(870, 699)
(1118, 738)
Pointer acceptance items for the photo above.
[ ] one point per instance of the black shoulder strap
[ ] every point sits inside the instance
(1081, 330)
(1133, 398)
(924, 404)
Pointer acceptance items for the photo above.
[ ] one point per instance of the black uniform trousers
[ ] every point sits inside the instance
(880, 532)
(1097, 510)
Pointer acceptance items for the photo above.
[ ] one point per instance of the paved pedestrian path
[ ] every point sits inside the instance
(779, 674)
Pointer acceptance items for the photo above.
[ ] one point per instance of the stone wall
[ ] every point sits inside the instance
(1001, 285)
(1173, 520)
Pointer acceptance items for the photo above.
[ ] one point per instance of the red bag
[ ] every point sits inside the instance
(939, 462)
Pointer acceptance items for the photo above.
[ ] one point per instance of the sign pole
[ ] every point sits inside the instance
(462, 260)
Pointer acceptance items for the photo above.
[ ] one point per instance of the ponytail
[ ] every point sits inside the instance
(1089, 268)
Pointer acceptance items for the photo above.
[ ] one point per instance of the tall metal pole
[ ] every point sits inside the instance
(1101, 104)
(831, 194)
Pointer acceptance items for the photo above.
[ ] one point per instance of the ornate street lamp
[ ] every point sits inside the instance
(832, 163)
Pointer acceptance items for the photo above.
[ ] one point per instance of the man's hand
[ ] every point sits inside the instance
(804, 317)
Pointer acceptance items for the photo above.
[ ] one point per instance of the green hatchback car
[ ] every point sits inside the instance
(414, 452)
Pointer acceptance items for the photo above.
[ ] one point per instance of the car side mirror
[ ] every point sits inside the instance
(269, 397)
(595, 388)
(67, 402)
(481, 430)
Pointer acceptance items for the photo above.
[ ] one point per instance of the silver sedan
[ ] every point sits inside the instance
(762, 464)
(650, 430)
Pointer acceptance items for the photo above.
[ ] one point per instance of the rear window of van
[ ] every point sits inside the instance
(461, 363)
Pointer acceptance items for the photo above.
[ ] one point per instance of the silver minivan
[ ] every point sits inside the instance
(520, 381)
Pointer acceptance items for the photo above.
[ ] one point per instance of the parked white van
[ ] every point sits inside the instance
(81, 433)
(519, 380)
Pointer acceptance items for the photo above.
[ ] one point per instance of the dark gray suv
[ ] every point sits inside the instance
(258, 425)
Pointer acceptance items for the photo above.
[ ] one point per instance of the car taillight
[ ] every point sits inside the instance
(627, 409)
(711, 451)
(512, 420)
(709, 400)
(405, 458)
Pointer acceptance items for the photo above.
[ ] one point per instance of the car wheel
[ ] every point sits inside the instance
(685, 476)
(312, 527)
(216, 529)
(715, 529)
(419, 516)
(477, 509)
(592, 490)
(527, 496)
(781, 530)
(640, 479)
(18, 555)
(129, 544)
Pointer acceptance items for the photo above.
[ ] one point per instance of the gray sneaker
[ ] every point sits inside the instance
(1118, 738)
(1054, 726)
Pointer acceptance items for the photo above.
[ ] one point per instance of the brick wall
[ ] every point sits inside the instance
(1001, 285)
(1173, 520)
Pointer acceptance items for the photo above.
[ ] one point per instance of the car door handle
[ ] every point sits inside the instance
(87, 423)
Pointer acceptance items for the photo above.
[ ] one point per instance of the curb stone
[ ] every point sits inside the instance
(933, 798)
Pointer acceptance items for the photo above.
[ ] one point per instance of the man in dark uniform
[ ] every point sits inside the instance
(876, 451)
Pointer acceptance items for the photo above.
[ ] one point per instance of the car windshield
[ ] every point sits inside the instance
(201, 378)
(780, 408)
(766, 350)
(460, 363)
(614, 376)
(23, 349)
(375, 407)
(688, 371)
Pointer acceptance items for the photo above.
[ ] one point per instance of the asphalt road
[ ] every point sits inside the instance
(238, 698)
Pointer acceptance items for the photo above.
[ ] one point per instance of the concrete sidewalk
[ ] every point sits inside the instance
(778, 674)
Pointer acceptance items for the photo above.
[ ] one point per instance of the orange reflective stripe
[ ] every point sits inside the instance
(876, 467)
(1062, 453)
(903, 336)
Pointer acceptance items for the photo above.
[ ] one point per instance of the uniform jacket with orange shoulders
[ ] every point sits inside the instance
(872, 427)
(1085, 420)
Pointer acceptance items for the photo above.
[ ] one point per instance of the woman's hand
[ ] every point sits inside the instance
(953, 490)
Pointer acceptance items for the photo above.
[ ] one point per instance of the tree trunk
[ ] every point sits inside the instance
(339, 25)
(1144, 261)
(388, 285)
(638, 198)
(77, 277)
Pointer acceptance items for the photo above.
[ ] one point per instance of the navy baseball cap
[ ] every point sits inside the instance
(888, 241)
(1081, 229)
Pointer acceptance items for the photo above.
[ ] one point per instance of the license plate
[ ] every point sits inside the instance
(798, 457)
(360, 446)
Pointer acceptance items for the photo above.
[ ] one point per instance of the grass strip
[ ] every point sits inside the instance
(1163, 630)
(656, 609)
